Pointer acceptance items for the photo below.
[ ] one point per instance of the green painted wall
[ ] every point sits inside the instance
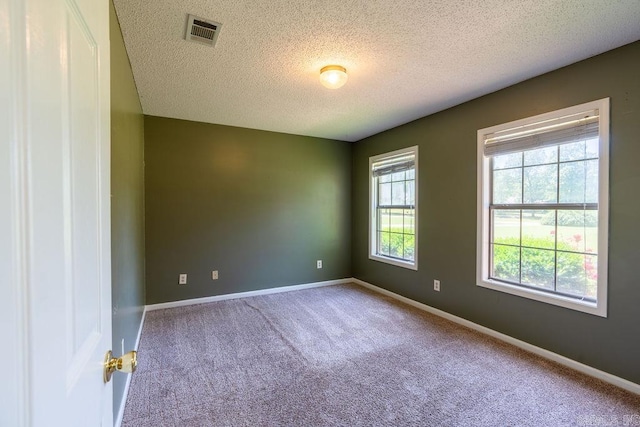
(260, 207)
(127, 203)
(447, 214)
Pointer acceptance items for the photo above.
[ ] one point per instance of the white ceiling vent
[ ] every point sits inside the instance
(202, 30)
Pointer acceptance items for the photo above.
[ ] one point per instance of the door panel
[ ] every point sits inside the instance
(81, 114)
(83, 290)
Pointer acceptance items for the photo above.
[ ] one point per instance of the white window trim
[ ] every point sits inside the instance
(482, 261)
(372, 212)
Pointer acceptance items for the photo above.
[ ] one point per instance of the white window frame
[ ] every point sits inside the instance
(599, 308)
(412, 265)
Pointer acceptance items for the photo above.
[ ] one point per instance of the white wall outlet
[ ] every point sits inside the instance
(183, 279)
(436, 285)
(214, 275)
(319, 263)
(122, 346)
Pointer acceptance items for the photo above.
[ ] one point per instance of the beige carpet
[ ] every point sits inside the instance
(345, 356)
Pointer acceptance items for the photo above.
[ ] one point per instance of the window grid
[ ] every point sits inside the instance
(407, 210)
(555, 207)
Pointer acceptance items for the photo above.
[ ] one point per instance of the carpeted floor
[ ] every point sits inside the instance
(345, 356)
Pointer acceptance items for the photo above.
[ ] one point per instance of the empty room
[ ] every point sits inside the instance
(320, 213)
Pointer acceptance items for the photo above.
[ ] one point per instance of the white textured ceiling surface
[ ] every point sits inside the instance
(405, 58)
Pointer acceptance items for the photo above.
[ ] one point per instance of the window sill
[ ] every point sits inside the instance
(558, 300)
(396, 262)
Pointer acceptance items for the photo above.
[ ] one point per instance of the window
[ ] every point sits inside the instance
(543, 207)
(393, 218)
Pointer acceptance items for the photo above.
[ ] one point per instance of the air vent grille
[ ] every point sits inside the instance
(202, 30)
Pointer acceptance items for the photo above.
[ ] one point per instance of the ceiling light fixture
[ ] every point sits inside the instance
(333, 76)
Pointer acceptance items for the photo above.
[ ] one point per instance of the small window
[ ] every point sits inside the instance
(543, 207)
(393, 208)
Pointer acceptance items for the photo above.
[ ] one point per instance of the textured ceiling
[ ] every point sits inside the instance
(405, 58)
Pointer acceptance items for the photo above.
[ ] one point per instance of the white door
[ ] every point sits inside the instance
(55, 294)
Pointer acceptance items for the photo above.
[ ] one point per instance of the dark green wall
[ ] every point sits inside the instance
(127, 203)
(260, 207)
(447, 214)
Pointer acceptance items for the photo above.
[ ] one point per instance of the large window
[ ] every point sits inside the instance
(543, 207)
(393, 208)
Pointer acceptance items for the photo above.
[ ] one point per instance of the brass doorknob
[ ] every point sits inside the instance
(127, 364)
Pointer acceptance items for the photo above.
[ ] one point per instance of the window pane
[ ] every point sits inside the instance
(538, 229)
(591, 232)
(397, 193)
(572, 182)
(383, 243)
(395, 220)
(409, 252)
(410, 192)
(506, 263)
(571, 230)
(398, 176)
(540, 184)
(507, 186)
(506, 226)
(541, 156)
(538, 267)
(593, 150)
(384, 194)
(573, 151)
(571, 274)
(384, 178)
(409, 221)
(384, 220)
(591, 185)
(507, 161)
(396, 245)
(411, 174)
(591, 271)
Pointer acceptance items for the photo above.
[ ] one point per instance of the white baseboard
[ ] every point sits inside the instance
(118, 421)
(204, 300)
(570, 363)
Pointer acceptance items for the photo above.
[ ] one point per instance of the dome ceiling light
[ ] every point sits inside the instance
(333, 76)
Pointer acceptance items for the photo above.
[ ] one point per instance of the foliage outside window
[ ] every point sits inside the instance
(543, 207)
(393, 208)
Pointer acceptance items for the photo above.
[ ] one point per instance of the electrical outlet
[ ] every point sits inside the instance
(122, 346)
(436, 285)
(183, 279)
(319, 263)
(214, 275)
